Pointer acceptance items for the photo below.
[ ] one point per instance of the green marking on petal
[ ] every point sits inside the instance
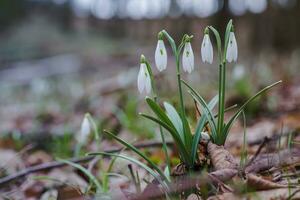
(161, 51)
(187, 53)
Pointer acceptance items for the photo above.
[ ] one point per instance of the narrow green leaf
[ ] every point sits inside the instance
(175, 119)
(85, 171)
(197, 136)
(200, 126)
(235, 116)
(202, 102)
(187, 133)
(134, 149)
(179, 143)
(156, 175)
(213, 102)
(160, 113)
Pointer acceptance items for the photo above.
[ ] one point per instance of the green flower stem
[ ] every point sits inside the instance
(222, 85)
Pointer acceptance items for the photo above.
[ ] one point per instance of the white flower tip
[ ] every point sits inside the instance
(232, 49)
(161, 56)
(207, 50)
(188, 58)
(85, 130)
(144, 80)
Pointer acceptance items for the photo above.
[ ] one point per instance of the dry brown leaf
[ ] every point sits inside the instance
(224, 174)
(278, 194)
(69, 193)
(266, 161)
(10, 162)
(259, 183)
(220, 157)
(38, 157)
(68, 178)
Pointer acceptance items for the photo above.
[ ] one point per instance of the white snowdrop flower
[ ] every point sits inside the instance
(144, 81)
(232, 50)
(85, 130)
(188, 58)
(161, 55)
(207, 49)
(205, 136)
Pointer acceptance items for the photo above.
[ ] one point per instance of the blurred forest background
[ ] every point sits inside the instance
(62, 58)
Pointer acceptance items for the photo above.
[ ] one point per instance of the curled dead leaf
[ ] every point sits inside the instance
(220, 157)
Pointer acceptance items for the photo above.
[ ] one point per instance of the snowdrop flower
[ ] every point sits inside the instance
(206, 48)
(144, 80)
(188, 57)
(85, 130)
(161, 54)
(232, 50)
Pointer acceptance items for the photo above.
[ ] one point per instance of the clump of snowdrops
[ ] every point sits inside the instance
(174, 120)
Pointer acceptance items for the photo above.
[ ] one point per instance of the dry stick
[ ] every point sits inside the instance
(56, 164)
(221, 183)
(293, 194)
(261, 146)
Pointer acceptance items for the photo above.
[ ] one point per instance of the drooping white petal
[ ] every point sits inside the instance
(232, 50)
(84, 131)
(144, 80)
(161, 55)
(188, 58)
(147, 82)
(206, 50)
(140, 80)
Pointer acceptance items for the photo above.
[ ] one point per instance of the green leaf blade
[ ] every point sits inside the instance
(235, 116)
(85, 171)
(202, 102)
(175, 119)
(182, 149)
(156, 175)
(134, 149)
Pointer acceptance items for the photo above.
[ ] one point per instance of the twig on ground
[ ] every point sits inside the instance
(293, 194)
(261, 146)
(56, 164)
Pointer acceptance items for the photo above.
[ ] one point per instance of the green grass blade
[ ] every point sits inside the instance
(235, 116)
(156, 175)
(85, 171)
(179, 143)
(175, 119)
(134, 149)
